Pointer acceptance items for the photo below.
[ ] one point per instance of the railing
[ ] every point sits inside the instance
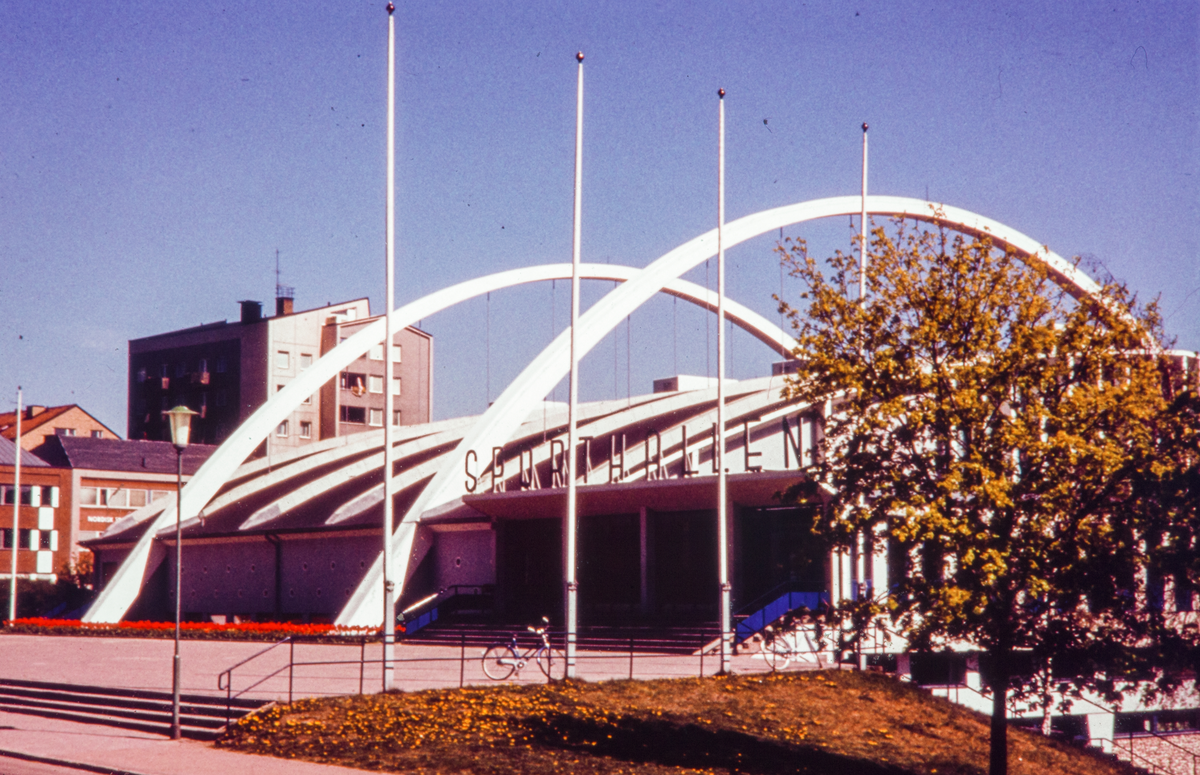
(1160, 739)
(1135, 759)
(427, 611)
(604, 658)
(767, 608)
(225, 678)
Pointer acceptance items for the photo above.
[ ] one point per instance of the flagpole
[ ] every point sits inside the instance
(719, 442)
(572, 430)
(389, 583)
(16, 533)
(862, 225)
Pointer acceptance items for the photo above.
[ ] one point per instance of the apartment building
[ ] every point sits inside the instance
(225, 371)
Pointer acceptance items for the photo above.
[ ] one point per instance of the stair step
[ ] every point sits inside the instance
(132, 707)
(201, 716)
(156, 715)
(194, 733)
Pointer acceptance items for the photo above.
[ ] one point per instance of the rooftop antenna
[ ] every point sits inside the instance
(284, 294)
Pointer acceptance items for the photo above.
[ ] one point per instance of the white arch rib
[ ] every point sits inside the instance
(365, 606)
(114, 600)
(507, 412)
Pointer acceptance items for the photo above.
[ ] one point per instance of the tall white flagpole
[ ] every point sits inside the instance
(389, 487)
(572, 440)
(16, 533)
(862, 225)
(719, 442)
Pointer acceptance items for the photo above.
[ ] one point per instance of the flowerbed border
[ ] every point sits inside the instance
(256, 631)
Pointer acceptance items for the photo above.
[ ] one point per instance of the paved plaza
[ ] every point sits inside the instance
(321, 670)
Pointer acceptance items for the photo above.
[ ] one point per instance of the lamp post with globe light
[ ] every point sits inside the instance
(181, 421)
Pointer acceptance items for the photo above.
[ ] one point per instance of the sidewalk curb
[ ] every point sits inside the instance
(98, 768)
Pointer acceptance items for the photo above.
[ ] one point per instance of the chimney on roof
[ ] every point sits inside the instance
(284, 299)
(33, 411)
(251, 311)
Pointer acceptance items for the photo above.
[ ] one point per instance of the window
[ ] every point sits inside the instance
(278, 388)
(137, 499)
(282, 359)
(376, 417)
(307, 400)
(305, 360)
(45, 539)
(181, 369)
(354, 414)
(165, 403)
(221, 365)
(203, 367)
(64, 431)
(97, 434)
(397, 418)
(282, 430)
(89, 496)
(376, 353)
(375, 383)
(305, 429)
(156, 495)
(141, 374)
(222, 398)
(6, 538)
(27, 495)
(117, 498)
(396, 386)
(396, 354)
(164, 371)
(355, 383)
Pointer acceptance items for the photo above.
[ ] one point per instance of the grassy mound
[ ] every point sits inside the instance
(840, 723)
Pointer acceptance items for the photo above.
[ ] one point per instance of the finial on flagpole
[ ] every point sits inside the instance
(864, 126)
(579, 57)
(721, 93)
(390, 8)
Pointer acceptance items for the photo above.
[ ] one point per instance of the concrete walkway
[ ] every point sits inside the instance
(95, 748)
(323, 670)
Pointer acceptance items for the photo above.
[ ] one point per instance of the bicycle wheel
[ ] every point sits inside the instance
(552, 663)
(499, 661)
(776, 654)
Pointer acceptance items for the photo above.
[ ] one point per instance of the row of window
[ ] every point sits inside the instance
(220, 398)
(284, 429)
(31, 495)
(181, 369)
(283, 360)
(360, 384)
(119, 497)
(30, 539)
(376, 353)
(75, 432)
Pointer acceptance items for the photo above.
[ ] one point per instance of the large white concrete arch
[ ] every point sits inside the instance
(552, 364)
(120, 592)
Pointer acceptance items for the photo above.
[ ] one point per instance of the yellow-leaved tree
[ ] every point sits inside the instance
(1024, 448)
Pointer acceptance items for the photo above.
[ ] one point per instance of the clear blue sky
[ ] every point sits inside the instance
(154, 156)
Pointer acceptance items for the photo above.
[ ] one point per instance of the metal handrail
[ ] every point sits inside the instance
(227, 673)
(1163, 739)
(225, 678)
(1152, 766)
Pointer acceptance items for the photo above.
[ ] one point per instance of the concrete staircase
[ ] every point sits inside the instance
(201, 717)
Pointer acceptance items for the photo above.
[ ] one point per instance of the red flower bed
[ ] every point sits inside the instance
(201, 629)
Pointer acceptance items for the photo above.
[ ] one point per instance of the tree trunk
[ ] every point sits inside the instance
(998, 758)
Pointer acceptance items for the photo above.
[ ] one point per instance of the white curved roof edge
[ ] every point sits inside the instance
(120, 592)
(124, 587)
(552, 364)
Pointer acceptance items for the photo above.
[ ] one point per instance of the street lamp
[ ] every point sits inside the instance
(181, 421)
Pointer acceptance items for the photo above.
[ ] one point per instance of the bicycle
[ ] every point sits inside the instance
(501, 660)
(781, 647)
